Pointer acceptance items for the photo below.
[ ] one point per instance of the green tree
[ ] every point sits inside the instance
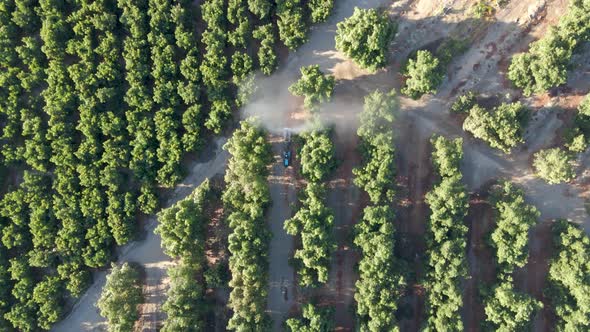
(314, 86)
(48, 295)
(317, 156)
(245, 197)
(569, 273)
(184, 306)
(314, 320)
(291, 23)
(514, 218)
(365, 38)
(546, 63)
(584, 107)
(423, 75)
(120, 297)
(553, 165)
(446, 155)
(377, 146)
(313, 222)
(508, 310)
(267, 56)
(320, 9)
(260, 8)
(502, 129)
(446, 243)
(381, 275)
(182, 225)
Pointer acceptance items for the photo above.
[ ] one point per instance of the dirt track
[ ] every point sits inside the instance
(414, 180)
(281, 274)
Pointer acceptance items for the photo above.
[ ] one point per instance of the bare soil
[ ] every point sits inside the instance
(480, 256)
(343, 199)
(415, 178)
(532, 278)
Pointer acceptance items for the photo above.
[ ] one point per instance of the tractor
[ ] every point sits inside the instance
(287, 149)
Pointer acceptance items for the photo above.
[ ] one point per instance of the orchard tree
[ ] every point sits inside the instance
(546, 63)
(553, 165)
(320, 9)
(502, 129)
(423, 75)
(291, 23)
(184, 306)
(245, 197)
(514, 218)
(377, 146)
(120, 298)
(182, 225)
(314, 86)
(543, 66)
(584, 107)
(313, 222)
(365, 38)
(48, 295)
(446, 241)
(260, 8)
(446, 155)
(381, 275)
(317, 156)
(508, 310)
(267, 56)
(314, 320)
(569, 273)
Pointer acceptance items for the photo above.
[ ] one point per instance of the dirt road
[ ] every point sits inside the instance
(282, 288)
(147, 253)
(344, 198)
(414, 180)
(481, 261)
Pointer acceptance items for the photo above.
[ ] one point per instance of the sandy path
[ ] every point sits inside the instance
(148, 253)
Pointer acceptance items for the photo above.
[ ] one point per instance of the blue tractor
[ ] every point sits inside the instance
(287, 152)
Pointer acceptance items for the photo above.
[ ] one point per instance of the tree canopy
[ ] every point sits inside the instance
(377, 146)
(183, 224)
(315, 319)
(313, 221)
(569, 272)
(501, 128)
(423, 75)
(364, 37)
(314, 86)
(546, 63)
(246, 197)
(120, 297)
(508, 310)
(514, 218)
(446, 240)
(553, 165)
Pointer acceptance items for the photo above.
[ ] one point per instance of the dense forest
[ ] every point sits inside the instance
(100, 101)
